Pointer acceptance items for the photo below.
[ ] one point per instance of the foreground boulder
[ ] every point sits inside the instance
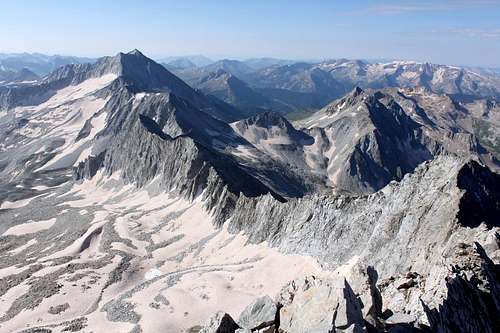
(320, 306)
(260, 314)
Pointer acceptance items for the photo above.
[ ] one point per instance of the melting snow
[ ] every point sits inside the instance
(152, 273)
(28, 228)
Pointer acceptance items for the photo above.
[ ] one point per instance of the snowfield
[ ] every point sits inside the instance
(184, 268)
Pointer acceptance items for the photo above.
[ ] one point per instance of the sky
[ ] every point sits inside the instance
(448, 32)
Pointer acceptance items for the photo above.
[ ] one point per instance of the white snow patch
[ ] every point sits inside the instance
(24, 246)
(29, 228)
(152, 273)
(17, 203)
(71, 152)
(78, 91)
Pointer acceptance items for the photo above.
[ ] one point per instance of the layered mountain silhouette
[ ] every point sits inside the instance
(38, 63)
(310, 85)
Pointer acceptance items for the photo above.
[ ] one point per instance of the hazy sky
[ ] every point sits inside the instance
(452, 32)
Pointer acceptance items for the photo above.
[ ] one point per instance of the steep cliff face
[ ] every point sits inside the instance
(481, 200)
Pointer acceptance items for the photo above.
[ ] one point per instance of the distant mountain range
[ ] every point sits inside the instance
(286, 81)
(193, 60)
(38, 63)
(295, 87)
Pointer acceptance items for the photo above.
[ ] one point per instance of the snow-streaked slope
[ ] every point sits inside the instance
(181, 267)
(274, 136)
(62, 117)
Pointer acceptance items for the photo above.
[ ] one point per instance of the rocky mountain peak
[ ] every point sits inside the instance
(218, 74)
(134, 57)
(356, 96)
(134, 67)
(136, 52)
(143, 74)
(267, 120)
(357, 91)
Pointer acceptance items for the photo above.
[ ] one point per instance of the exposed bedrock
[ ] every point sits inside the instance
(461, 297)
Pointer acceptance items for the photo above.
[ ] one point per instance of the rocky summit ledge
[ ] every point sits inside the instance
(463, 293)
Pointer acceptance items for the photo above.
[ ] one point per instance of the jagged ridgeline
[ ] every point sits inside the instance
(156, 205)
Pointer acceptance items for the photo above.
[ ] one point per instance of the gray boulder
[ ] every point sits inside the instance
(259, 314)
(321, 306)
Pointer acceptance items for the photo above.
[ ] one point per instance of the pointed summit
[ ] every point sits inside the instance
(357, 91)
(266, 125)
(354, 97)
(141, 73)
(136, 52)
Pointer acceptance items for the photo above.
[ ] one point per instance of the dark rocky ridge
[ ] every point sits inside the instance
(166, 125)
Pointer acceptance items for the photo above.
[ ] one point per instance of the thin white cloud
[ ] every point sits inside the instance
(401, 9)
(424, 6)
(344, 25)
(478, 33)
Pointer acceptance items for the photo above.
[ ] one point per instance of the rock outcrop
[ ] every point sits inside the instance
(461, 295)
(321, 306)
(259, 315)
